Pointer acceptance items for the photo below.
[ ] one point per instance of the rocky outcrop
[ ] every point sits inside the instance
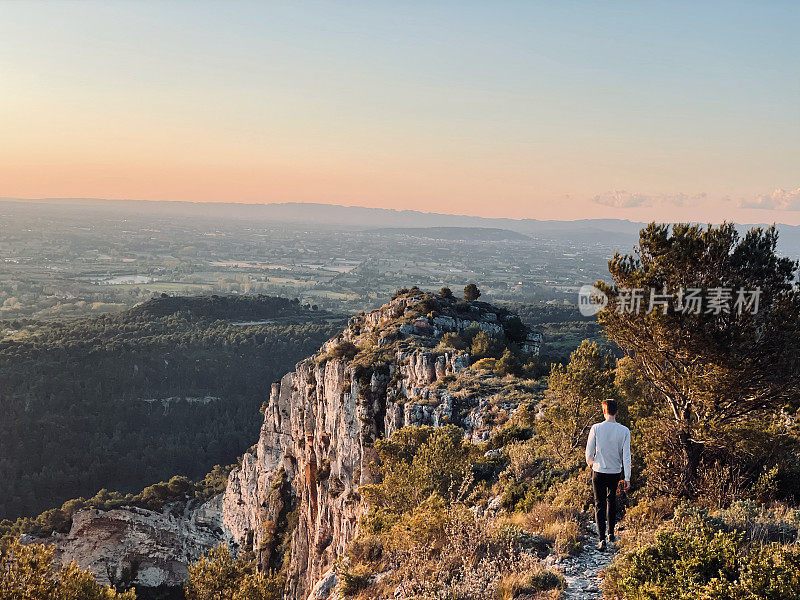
(138, 547)
(320, 424)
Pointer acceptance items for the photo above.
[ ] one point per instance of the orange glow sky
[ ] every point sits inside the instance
(516, 109)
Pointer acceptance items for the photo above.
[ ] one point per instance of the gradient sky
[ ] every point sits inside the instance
(562, 110)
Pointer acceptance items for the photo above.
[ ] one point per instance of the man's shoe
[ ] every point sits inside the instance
(602, 546)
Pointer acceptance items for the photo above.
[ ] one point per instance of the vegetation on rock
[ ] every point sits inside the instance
(221, 576)
(30, 573)
(528, 484)
(178, 490)
(699, 556)
(471, 292)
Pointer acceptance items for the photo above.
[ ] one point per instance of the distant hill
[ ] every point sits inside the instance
(328, 215)
(483, 234)
(234, 308)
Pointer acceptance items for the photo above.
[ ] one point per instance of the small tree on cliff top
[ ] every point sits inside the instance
(715, 369)
(471, 292)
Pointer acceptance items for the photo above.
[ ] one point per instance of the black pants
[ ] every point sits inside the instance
(605, 500)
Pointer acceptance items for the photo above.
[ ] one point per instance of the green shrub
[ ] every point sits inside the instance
(342, 351)
(365, 548)
(508, 534)
(220, 576)
(426, 306)
(352, 581)
(453, 340)
(700, 557)
(573, 403)
(564, 536)
(515, 329)
(485, 346)
(573, 494)
(30, 573)
(508, 364)
(471, 292)
(648, 514)
(415, 463)
(424, 528)
(542, 580)
(484, 364)
(527, 477)
(400, 292)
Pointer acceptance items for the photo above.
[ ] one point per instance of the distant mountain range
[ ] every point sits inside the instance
(334, 216)
(484, 234)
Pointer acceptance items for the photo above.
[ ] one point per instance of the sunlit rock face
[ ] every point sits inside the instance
(320, 425)
(138, 547)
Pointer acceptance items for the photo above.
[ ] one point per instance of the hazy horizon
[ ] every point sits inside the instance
(75, 201)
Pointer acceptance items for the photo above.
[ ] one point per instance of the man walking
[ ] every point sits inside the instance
(608, 453)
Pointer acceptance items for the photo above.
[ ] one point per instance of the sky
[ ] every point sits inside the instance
(551, 110)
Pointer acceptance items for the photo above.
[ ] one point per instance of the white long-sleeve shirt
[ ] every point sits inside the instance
(609, 448)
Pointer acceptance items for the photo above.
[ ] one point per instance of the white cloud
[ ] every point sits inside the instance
(623, 199)
(779, 199)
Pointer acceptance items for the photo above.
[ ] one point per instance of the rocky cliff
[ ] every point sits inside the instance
(133, 546)
(297, 490)
(294, 501)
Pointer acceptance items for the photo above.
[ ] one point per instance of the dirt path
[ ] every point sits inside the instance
(581, 571)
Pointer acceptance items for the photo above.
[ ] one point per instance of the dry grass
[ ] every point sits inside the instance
(763, 523)
(642, 519)
(539, 583)
(560, 528)
(463, 556)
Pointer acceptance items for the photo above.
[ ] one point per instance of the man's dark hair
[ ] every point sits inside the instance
(610, 406)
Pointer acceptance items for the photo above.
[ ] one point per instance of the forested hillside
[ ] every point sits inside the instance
(170, 387)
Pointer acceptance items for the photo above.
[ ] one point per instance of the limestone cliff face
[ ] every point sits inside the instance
(298, 487)
(134, 546)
